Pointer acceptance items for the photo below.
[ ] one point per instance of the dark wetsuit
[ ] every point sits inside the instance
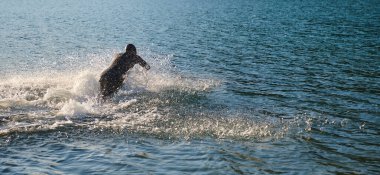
(112, 78)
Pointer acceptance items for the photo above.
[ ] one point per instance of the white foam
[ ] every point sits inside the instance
(124, 105)
(86, 84)
(155, 81)
(74, 108)
(57, 94)
(7, 103)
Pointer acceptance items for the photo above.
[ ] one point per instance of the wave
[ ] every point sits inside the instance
(161, 102)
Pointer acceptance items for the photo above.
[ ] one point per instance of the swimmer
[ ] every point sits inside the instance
(112, 78)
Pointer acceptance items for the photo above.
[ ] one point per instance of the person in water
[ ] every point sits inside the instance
(112, 78)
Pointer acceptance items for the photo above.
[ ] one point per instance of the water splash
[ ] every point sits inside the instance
(50, 98)
(157, 102)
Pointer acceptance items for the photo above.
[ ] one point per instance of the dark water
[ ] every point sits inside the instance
(236, 87)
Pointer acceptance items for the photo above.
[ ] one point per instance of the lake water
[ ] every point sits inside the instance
(236, 87)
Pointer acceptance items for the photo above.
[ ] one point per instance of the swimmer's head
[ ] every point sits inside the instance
(131, 48)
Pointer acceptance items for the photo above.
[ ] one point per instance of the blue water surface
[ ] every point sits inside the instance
(236, 87)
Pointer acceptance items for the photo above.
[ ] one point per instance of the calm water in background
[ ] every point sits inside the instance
(236, 87)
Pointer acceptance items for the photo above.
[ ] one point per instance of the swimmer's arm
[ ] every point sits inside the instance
(143, 63)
